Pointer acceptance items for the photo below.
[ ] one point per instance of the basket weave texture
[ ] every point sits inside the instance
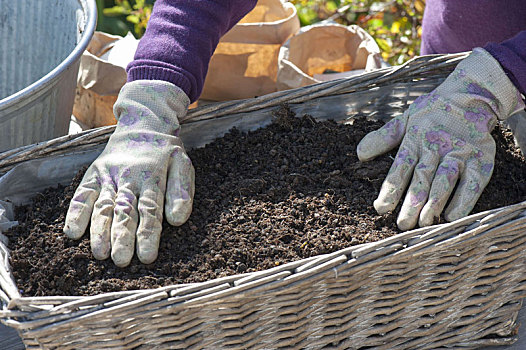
(455, 285)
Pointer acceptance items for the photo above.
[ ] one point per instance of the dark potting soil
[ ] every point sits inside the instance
(292, 190)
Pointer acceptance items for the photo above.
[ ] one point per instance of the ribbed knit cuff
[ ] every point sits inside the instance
(511, 63)
(481, 76)
(164, 74)
(154, 105)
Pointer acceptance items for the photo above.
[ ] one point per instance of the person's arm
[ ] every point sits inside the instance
(511, 55)
(445, 143)
(144, 172)
(180, 39)
(450, 26)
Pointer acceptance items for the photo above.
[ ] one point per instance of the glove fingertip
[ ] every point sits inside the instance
(71, 230)
(99, 254)
(178, 211)
(121, 257)
(100, 246)
(122, 244)
(366, 150)
(148, 242)
(382, 140)
(405, 224)
(458, 209)
(382, 206)
(80, 209)
(433, 209)
(147, 256)
(454, 215)
(427, 217)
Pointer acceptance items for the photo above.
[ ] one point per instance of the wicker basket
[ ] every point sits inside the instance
(454, 285)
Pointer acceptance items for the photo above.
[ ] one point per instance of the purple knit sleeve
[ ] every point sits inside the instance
(180, 39)
(451, 26)
(511, 55)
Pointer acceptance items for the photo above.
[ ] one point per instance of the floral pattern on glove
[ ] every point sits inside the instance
(423, 102)
(448, 170)
(123, 192)
(480, 121)
(439, 141)
(447, 144)
(476, 89)
(403, 158)
(131, 116)
(392, 131)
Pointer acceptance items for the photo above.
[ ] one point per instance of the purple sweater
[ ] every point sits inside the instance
(182, 36)
(498, 26)
(180, 39)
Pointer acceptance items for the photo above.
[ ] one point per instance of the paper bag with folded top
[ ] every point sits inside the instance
(102, 74)
(326, 51)
(245, 61)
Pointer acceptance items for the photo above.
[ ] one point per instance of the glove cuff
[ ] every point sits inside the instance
(151, 104)
(483, 75)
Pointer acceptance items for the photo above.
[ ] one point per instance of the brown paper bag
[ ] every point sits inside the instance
(245, 62)
(307, 57)
(98, 83)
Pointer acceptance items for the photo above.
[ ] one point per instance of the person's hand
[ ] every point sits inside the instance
(123, 191)
(445, 138)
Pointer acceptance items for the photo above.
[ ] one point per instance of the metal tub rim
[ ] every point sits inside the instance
(35, 89)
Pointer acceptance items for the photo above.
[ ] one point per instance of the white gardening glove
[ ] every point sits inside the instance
(123, 191)
(445, 138)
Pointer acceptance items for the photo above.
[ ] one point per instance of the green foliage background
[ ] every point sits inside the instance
(120, 16)
(395, 24)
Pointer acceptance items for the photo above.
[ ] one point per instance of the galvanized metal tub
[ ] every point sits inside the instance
(41, 43)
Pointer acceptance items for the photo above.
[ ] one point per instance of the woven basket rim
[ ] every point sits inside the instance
(415, 68)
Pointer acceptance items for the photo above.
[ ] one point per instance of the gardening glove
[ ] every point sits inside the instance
(445, 138)
(124, 189)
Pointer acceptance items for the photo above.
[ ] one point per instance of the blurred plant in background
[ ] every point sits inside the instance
(394, 24)
(120, 16)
